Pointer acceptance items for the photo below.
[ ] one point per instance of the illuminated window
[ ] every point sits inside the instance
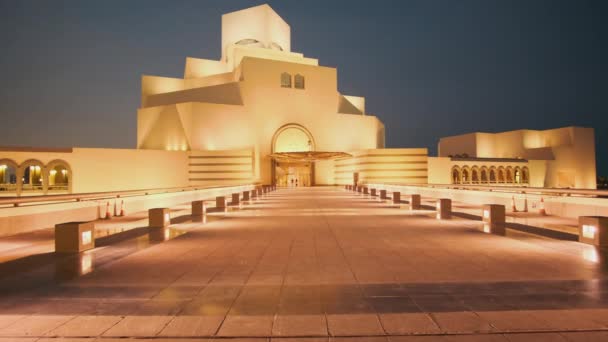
(285, 80)
(299, 81)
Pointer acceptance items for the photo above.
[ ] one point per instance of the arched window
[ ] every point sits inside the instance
(298, 81)
(525, 175)
(501, 175)
(32, 175)
(465, 175)
(8, 176)
(59, 176)
(517, 175)
(509, 175)
(455, 175)
(474, 175)
(286, 80)
(492, 175)
(484, 175)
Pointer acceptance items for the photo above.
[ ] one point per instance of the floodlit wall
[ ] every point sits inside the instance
(100, 169)
(210, 168)
(393, 165)
(568, 153)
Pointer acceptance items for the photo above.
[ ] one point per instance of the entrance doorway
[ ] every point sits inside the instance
(287, 172)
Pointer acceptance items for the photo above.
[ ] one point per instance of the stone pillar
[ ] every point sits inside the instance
(245, 195)
(593, 230)
(373, 192)
(414, 202)
(159, 217)
(74, 237)
(383, 194)
(444, 209)
(396, 197)
(220, 203)
(235, 198)
(199, 208)
(493, 217)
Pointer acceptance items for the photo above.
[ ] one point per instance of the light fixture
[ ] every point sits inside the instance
(589, 231)
(167, 218)
(486, 214)
(86, 237)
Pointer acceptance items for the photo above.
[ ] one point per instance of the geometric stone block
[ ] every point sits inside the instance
(235, 198)
(199, 208)
(159, 218)
(493, 213)
(396, 197)
(74, 237)
(245, 195)
(414, 200)
(254, 193)
(220, 203)
(365, 190)
(383, 195)
(593, 230)
(373, 192)
(444, 209)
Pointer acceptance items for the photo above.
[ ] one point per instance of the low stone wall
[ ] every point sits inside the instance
(564, 206)
(29, 217)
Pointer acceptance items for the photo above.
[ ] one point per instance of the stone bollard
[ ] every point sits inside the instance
(254, 193)
(235, 199)
(245, 195)
(199, 208)
(220, 203)
(396, 197)
(74, 237)
(593, 230)
(383, 194)
(444, 209)
(373, 192)
(493, 217)
(365, 190)
(159, 217)
(359, 189)
(414, 202)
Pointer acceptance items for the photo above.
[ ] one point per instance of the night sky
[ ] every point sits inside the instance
(70, 70)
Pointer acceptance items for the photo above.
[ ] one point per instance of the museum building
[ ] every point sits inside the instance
(266, 114)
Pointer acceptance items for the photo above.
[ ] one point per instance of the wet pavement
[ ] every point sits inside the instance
(314, 264)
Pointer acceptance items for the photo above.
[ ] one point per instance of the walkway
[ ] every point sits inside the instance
(319, 264)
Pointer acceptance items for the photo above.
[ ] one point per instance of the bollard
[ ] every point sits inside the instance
(593, 230)
(414, 202)
(493, 217)
(220, 203)
(444, 209)
(373, 192)
(383, 194)
(359, 189)
(365, 190)
(199, 208)
(254, 194)
(396, 197)
(74, 237)
(260, 192)
(235, 199)
(245, 195)
(159, 217)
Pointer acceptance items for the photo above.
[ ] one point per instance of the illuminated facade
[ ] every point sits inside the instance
(266, 114)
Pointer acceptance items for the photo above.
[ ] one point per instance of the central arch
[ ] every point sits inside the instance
(292, 138)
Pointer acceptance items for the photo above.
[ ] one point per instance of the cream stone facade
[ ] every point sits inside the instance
(266, 114)
(554, 158)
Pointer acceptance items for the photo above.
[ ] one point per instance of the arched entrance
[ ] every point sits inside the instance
(292, 173)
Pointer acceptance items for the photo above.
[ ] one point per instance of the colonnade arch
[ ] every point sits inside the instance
(34, 177)
(489, 174)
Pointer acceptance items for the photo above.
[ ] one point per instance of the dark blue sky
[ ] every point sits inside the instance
(70, 70)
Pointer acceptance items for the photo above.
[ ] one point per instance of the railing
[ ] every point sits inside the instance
(510, 189)
(49, 199)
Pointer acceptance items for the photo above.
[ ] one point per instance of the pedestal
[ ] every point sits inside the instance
(74, 237)
(593, 230)
(396, 197)
(199, 208)
(444, 209)
(414, 202)
(159, 217)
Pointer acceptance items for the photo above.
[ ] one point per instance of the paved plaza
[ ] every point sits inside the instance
(310, 264)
